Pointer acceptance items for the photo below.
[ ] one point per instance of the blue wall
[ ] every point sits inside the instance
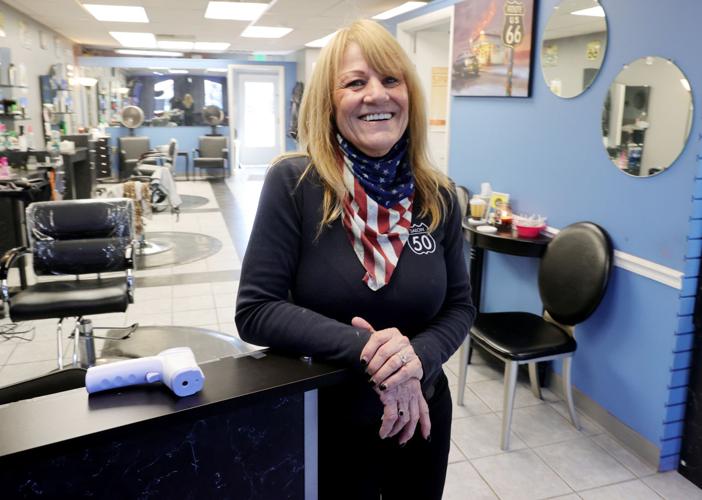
(547, 153)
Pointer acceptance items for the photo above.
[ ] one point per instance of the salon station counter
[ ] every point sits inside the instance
(250, 433)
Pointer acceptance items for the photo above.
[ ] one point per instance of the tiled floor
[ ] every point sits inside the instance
(548, 457)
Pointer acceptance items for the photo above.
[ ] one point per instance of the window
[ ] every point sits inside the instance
(213, 94)
(163, 93)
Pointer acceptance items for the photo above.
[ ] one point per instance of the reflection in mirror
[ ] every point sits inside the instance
(573, 46)
(647, 116)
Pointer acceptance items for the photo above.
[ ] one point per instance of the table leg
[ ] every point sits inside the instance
(477, 256)
(20, 235)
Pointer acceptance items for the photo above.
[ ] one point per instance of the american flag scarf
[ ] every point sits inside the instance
(377, 208)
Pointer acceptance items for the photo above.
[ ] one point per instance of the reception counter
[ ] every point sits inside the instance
(250, 433)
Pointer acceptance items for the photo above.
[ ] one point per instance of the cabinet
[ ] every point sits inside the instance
(103, 157)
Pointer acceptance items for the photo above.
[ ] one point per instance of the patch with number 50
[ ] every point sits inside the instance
(420, 241)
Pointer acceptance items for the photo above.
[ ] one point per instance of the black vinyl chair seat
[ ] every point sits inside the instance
(520, 336)
(57, 299)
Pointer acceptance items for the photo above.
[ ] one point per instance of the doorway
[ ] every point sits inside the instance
(427, 41)
(257, 112)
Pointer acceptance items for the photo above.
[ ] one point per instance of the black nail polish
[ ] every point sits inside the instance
(363, 362)
(403, 445)
(401, 413)
(383, 387)
(371, 382)
(429, 438)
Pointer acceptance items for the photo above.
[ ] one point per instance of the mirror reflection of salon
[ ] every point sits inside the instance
(647, 116)
(573, 46)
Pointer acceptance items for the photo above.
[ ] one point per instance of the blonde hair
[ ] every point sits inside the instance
(317, 129)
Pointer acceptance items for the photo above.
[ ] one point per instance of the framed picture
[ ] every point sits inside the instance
(492, 48)
(25, 35)
(43, 40)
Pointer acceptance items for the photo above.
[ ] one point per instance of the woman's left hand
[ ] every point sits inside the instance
(389, 356)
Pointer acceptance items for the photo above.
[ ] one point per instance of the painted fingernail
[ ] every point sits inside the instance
(371, 382)
(402, 445)
(401, 413)
(364, 362)
(429, 438)
(383, 387)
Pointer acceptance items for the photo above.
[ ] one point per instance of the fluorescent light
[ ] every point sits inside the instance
(265, 32)
(217, 70)
(158, 73)
(321, 42)
(175, 44)
(400, 9)
(117, 13)
(235, 11)
(685, 84)
(212, 45)
(158, 68)
(128, 39)
(596, 11)
(158, 53)
(177, 71)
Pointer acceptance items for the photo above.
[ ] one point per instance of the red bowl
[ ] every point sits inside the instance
(529, 231)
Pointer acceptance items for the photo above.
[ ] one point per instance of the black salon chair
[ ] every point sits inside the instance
(573, 276)
(212, 152)
(74, 238)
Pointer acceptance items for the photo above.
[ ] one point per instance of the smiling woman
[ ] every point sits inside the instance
(329, 273)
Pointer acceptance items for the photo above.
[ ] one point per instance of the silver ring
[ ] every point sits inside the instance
(403, 359)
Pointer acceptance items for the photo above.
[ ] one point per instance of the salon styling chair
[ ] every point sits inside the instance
(573, 277)
(74, 239)
(131, 150)
(212, 152)
(162, 156)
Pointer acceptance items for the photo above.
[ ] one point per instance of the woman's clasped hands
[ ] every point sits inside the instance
(395, 371)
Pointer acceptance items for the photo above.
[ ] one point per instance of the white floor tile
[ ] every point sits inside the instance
(621, 491)
(583, 464)
(520, 475)
(195, 318)
(11, 374)
(455, 454)
(673, 486)
(463, 482)
(205, 301)
(472, 404)
(587, 426)
(626, 457)
(225, 315)
(479, 436)
(540, 425)
(492, 393)
(192, 290)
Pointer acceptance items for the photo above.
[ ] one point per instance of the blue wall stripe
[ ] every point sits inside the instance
(668, 463)
(685, 325)
(689, 287)
(670, 446)
(682, 360)
(697, 206)
(697, 193)
(691, 267)
(673, 430)
(674, 413)
(687, 305)
(694, 247)
(684, 342)
(677, 396)
(679, 378)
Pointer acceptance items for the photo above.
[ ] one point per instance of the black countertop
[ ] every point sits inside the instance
(65, 418)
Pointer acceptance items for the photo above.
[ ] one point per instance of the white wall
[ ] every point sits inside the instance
(36, 60)
(306, 59)
(431, 50)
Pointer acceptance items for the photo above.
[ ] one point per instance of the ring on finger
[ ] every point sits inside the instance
(404, 358)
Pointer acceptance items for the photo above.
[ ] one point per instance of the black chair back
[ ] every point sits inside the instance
(80, 236)
(574, 272)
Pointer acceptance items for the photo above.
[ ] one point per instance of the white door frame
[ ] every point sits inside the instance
(232, 69)
(406, 37)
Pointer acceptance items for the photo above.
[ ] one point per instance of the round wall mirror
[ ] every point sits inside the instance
(647, 116)
(573, 46)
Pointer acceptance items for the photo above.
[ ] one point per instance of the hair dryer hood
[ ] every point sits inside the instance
(132, 116)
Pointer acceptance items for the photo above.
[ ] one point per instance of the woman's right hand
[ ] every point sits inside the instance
(404, 408)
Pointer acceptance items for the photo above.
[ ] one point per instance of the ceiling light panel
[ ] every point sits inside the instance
(235, 11)
(156, 53)
(139, 40)
(400, 9)
(265, 32)
(177, 71)
(320, 42)
(212, 45)
(117, 13)
(596, 11)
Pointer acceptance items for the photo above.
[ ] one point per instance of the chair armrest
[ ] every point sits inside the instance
(225, 152)
(129, 256)
(9, 258)
(5, 264)
(196, 152)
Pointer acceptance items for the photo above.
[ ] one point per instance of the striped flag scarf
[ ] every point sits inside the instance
(377, 208)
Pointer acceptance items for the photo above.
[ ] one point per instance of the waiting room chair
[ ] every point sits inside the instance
(212, 152)
(463, 196)
(573, 277)
(131, 150)
(74, 238)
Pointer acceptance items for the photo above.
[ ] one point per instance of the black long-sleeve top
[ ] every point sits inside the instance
(299, 289)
